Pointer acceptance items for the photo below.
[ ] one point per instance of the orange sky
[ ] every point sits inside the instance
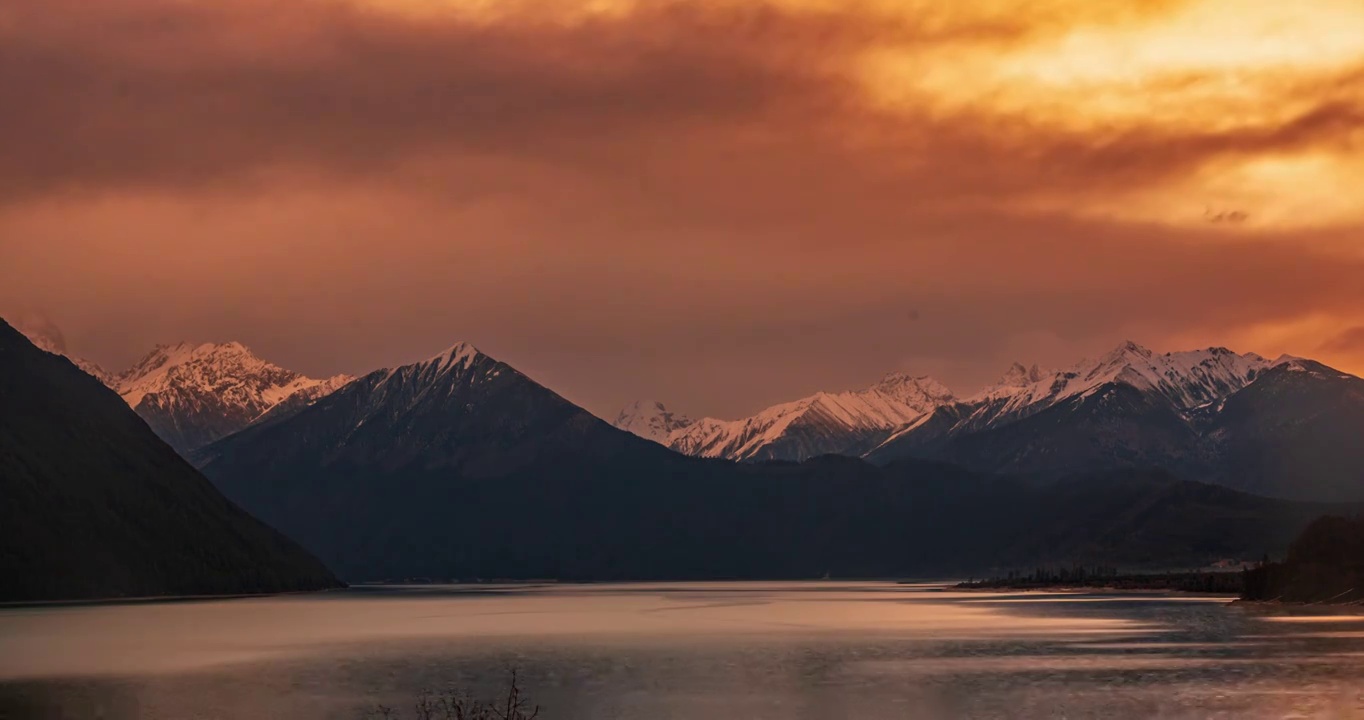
(718, 203)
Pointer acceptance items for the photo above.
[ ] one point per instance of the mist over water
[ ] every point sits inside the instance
(685, 651)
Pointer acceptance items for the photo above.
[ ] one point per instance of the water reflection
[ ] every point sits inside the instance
(874, 650)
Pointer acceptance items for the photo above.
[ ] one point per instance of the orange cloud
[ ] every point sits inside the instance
(731, 202)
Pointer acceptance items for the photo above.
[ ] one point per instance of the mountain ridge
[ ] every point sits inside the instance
(1186, 412)
(1129, 407)
(820, 424)
(97, 506)
(192, 394)
(461, 467)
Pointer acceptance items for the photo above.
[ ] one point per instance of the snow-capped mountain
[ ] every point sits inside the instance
(1213, 415)
(445, 465)
(96, 506)
(457, 407)
(457, 411)
(461, 467)
(192, 395)
(1287, 427)
(846, 423)
(650, 419)
(1185, 379)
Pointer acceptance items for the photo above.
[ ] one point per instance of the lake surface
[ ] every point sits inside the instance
(747, 651)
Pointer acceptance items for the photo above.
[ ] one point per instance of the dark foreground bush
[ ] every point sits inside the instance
(456, 705)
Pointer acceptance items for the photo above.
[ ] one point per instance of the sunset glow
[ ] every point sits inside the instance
(641, 199)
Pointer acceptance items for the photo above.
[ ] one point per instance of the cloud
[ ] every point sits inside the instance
(726, 202)
(138, 94)
(1350, 341)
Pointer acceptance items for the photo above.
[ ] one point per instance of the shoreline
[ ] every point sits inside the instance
(1094, 589)
(1350, 608)
(154, 599)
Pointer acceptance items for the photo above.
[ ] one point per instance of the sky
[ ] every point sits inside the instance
(720, 204)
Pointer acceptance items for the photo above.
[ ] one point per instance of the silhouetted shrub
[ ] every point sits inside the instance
(456, 705)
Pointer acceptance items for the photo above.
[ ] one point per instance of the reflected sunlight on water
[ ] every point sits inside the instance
(705, 650)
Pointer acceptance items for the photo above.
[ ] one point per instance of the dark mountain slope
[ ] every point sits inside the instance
(461, 467)
(1116, 427)
(1297, 431)
(96, 506)
(1149, 519)
(1294, 430)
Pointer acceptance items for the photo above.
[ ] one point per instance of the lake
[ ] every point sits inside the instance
(686, 652)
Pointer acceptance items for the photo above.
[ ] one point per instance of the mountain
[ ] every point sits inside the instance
(459, 466)
(429, 466)
(96, 506)
(1288, 428)
(192, 395)
(847, 423)
(1182, 380)
(1295, 432)
(45, 334)
(649, 419)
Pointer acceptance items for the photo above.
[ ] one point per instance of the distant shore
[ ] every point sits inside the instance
(147, 600)
(1201, 582)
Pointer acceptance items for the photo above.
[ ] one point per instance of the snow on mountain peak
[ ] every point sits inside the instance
(229, 373)
(461, 355)
(1290, 361)
(1019, 376)
(917, 390)
(650, 419)
(1194, 377)
(819, 424)
(460, 352)
(1295, 364)
(1127, 352)
(1187, 379)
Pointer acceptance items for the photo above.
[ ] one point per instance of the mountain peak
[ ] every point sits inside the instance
(1127, 352)
(820, 424)
(458, 350)
(1292, 363)
(460, 354)
(1019, 375)
(904, 378)
(1186, 379)
(650, 419)
(918, 391)
(192, 394)
(643, 406)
